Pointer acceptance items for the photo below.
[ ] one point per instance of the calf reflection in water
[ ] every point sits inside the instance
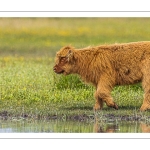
(110, 128)
(145, 128)
(114, 128)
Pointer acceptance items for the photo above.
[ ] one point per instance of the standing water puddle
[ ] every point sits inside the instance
(59, 126)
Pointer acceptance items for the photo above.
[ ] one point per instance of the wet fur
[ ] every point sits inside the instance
(108, 65)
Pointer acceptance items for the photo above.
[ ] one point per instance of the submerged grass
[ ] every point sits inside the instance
(30, 88)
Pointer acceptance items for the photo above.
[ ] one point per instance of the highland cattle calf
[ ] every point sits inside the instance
(106, 66)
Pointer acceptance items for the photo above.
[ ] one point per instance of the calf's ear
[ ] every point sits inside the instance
(69, 55)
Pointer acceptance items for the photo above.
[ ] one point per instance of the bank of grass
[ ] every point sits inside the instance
(30, 88)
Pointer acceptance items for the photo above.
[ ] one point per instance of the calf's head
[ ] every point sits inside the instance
(64, 61)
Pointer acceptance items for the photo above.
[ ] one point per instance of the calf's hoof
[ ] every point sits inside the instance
(96, 107)
(115, 106)
(144, 107)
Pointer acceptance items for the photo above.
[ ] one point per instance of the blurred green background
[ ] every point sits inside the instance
(42, 36)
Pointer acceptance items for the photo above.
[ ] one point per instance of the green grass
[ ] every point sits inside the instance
(29, 87)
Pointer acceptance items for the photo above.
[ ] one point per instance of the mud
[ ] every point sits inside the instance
(5, 115)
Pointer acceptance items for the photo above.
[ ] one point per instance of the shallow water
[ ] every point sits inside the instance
(59, 126)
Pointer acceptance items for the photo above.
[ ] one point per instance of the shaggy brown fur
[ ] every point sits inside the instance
(108, 65)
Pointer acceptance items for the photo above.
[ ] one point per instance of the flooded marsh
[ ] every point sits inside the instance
(60, 126)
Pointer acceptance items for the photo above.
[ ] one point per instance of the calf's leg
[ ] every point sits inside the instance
(146, 84)
(104, 97)
(102, 94)
(98, 103)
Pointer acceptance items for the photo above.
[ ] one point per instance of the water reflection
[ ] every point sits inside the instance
(122, 127)
(109, 128)
(59, 126)
(145, 128)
